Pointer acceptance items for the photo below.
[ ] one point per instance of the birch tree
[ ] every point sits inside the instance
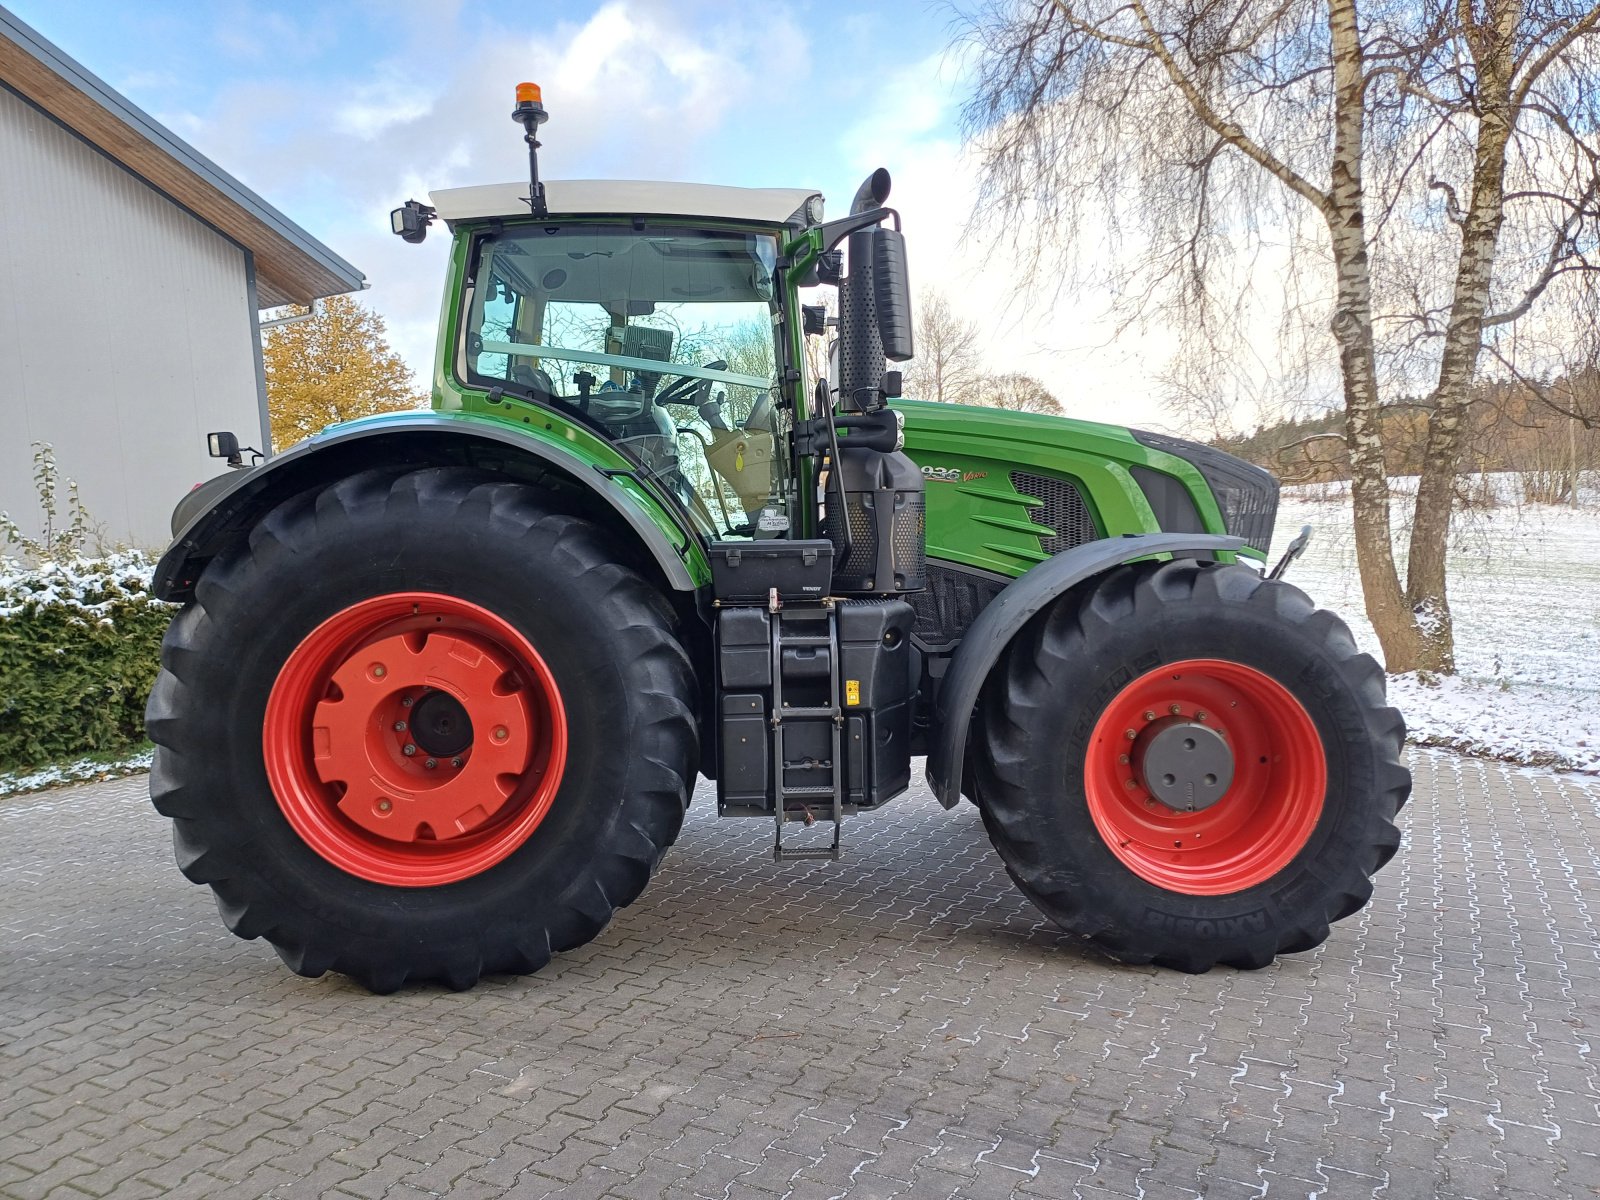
(1404, 193)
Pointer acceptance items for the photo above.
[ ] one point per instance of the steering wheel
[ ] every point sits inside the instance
(694, 392)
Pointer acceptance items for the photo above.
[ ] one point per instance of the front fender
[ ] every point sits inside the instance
(226, 507)
(988, 636)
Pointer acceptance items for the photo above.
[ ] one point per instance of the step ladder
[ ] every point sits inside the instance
(783, 716)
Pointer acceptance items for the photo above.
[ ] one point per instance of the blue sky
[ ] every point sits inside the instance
(336, 112)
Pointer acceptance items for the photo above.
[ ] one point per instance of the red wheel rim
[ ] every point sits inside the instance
(1262, 819)
(414, 739)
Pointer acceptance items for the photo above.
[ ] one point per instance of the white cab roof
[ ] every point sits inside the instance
(624, 197)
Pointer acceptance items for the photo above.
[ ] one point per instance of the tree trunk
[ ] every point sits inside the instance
(1352, 327)
(1572, 459)
(1426, 590)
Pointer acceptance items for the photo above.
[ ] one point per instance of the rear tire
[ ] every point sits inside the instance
(523, 841)
(1310, 775)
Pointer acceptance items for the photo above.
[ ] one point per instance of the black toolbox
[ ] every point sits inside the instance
(747, 572)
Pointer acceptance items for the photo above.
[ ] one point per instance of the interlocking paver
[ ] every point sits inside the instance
(901, 1023)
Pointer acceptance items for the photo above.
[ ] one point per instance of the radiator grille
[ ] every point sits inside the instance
(1246, 495)
(1064, 511)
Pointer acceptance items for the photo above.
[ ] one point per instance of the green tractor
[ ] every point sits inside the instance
(442, 681)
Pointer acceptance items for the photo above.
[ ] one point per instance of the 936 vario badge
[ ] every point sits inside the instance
(941, 474)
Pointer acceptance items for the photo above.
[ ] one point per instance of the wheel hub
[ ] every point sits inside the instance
(1184, 765)
(440, 724)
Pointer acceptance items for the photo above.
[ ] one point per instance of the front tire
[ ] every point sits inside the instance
(1191, 765)
(421, 727)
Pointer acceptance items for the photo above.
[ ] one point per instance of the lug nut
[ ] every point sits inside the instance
(430, 763)
(1130, 734)
(1149, 715)
(385, 805)
(379, 670)
(1200, 716)
(399, 726)
(409, 750)
(500, 733)
(1122, 758)
(407, 702)
(1174, 709)
(455, 762)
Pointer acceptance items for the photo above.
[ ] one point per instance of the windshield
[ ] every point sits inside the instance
(661, 339)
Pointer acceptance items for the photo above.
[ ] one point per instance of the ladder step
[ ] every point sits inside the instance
(809, 710)
(808, 789)
(803, 640)
(784, 854)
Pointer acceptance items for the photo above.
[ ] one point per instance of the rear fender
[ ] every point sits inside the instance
(988, 636)
(217, 513)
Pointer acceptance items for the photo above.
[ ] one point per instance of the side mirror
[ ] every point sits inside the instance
(892, 293)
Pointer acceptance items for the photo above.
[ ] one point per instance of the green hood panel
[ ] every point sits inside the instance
(978, 517)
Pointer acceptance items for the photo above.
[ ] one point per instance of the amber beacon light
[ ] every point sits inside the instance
(530, 113)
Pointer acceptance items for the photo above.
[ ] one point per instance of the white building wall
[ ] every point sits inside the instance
(126, 332)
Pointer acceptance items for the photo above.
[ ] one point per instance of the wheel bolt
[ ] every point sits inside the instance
(1149, 715)
(1129, 783)
(379, 670)
(399, 726)
(1122, 758)
(409, 750)
(430, 763)
(407, 702)
(1200, 716)
(455, 762)
(385, 805)
(1130, 734)
(1174, 709)
(500, 733)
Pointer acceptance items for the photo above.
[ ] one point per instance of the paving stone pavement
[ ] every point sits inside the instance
(898, 1024)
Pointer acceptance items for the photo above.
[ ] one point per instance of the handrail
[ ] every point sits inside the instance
(652, 365)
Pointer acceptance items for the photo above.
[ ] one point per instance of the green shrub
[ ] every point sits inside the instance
(80, 643)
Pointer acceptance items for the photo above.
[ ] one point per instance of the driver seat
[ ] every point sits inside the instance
(540, 387)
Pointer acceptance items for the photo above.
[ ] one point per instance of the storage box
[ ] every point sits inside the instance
(746, 572)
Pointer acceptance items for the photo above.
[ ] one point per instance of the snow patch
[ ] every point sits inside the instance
(81, 771)
(1524, 583)
(90, 587)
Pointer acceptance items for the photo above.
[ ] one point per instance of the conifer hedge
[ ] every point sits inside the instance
(80, 642)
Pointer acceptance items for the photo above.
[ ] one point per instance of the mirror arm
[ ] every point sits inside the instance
(835, 232)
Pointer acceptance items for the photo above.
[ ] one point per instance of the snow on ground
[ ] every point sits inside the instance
(1525, 593)
(15, 783)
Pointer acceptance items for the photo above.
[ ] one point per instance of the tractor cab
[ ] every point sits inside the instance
(658, 339)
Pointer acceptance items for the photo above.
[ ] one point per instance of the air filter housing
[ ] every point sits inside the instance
(880, 540)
